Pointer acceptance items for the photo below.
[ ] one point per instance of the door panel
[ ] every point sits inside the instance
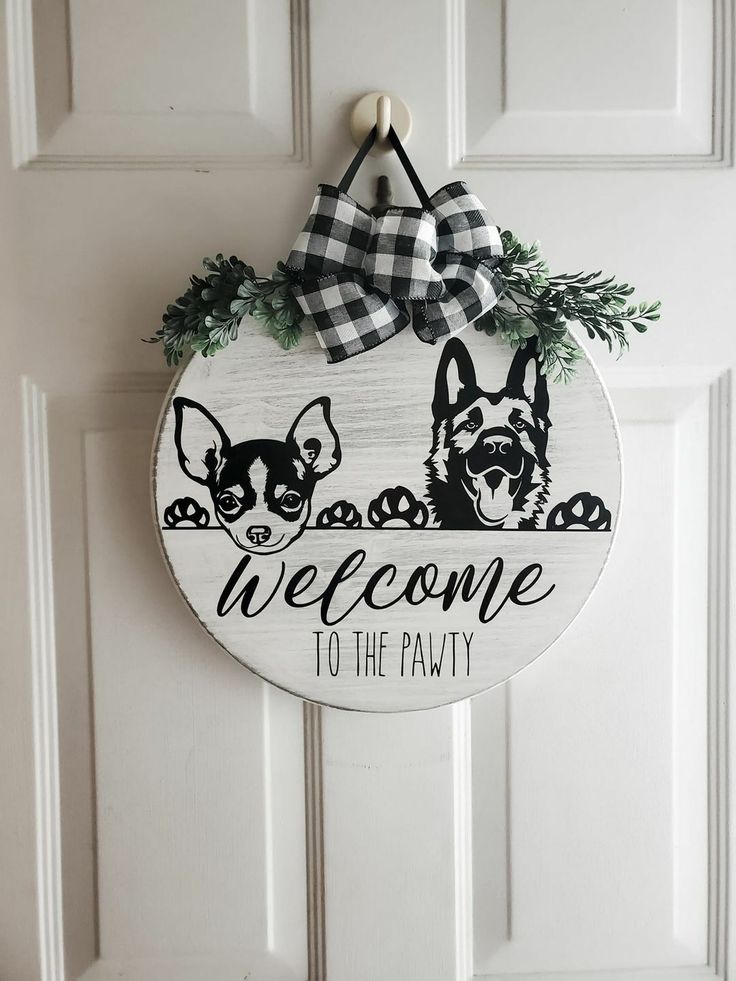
(159, 85)
(181, 803)
(571, 84)
(609, 740)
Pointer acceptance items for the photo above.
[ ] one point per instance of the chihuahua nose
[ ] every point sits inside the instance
(258, 534)
(498, 444)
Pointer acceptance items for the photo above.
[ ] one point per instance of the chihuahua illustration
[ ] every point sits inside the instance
(262, 488)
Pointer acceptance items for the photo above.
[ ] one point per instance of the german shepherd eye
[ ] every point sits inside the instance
(468, 426)
(519, 424)
(228, 503)
(291, 501)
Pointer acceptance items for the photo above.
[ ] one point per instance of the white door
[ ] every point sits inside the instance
(165, 815)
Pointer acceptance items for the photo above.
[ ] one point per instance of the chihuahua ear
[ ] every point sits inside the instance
(525, 378)
(201, 442)
(455, 379)
(316, 438)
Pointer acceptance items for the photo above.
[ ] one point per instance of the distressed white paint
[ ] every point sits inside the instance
(381, 411)
(617, 818)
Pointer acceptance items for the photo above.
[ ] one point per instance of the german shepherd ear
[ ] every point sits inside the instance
(455, 379)
(525, 378)
(201, 442)
(316, 438)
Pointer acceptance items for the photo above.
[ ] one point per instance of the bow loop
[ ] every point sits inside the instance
(335, 237)
(401, 254)
(462, 223)
(471, 287)
(349, 318)
(362, 278)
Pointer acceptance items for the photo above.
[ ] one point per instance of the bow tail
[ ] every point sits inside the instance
(348, 318)
(472, 287)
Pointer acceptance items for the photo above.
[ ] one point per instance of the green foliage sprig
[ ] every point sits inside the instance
(206, 318)
(537, 304)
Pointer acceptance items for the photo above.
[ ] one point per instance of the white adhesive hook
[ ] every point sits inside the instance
(383, 118)
(382, 110)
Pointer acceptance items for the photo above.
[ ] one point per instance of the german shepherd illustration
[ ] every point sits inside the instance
(488, 465)
(261, 489)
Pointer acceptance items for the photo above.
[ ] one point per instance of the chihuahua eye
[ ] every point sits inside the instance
(291, 501)
(228, 503)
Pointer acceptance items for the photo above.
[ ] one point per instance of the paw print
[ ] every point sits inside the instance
(185, 512)
(396, 507)
(341, 514)
(583, 512)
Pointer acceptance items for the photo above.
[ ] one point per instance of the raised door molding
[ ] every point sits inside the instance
(179, 818)
(158, 85)
(627, 875)
(583, 83)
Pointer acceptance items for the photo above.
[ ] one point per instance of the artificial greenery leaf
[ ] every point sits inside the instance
(207, 316)
(538, 304)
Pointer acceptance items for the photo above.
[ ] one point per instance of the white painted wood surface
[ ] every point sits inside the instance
(401, 655)
(574, 823)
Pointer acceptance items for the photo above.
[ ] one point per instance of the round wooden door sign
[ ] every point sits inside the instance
(401, 530)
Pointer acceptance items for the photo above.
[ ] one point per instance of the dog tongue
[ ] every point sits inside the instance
(493, 501)
(493, 480)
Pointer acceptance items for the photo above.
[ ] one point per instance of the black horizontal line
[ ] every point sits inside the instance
(447, 531)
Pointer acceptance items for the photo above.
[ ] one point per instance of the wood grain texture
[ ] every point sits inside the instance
(381, 411)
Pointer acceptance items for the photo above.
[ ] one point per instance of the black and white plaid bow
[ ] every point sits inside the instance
(363, 278)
